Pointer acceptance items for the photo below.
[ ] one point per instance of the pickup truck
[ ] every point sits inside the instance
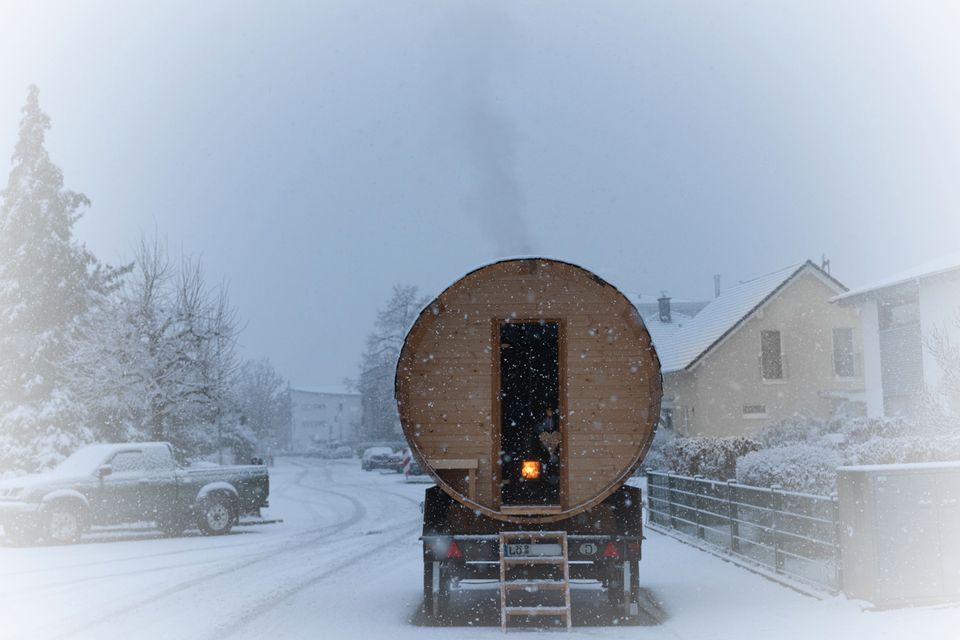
(106, 484)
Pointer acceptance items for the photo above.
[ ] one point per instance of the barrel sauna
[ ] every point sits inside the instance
(530, 391)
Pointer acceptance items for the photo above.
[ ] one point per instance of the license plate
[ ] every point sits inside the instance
(534, 550)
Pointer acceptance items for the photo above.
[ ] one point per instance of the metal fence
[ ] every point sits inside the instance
(794, 534)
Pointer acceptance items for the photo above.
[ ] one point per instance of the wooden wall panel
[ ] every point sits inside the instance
(448, 374)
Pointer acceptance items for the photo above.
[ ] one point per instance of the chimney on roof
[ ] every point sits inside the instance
(716, 285)
(664, 301)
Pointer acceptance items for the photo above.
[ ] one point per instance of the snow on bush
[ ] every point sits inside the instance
(795, 467)
(714, 458)
(905, 449)
(802, 454)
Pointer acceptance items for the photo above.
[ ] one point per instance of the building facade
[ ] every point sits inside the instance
(323, 416)
(765, 350)
(902, 317)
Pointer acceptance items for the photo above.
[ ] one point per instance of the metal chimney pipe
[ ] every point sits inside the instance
(716, 285)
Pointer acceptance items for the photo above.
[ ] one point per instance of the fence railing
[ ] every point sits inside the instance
(794, 534)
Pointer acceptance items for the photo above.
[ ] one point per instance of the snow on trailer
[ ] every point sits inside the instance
(530, 391)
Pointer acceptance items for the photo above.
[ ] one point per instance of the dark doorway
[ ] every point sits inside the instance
(529, 413)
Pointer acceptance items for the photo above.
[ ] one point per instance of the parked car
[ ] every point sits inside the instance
(343, 452)
(381, 458)
(109, 484)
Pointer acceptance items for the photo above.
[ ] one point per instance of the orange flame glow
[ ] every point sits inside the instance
(530, 469)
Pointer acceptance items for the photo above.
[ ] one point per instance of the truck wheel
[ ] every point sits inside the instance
(216, 516)
(615, 590)
(22, 534)
(64, 524)
(436, 604)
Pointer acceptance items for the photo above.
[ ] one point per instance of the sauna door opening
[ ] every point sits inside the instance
(529, 413)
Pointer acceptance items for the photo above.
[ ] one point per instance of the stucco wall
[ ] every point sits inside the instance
(714, 393)
(939, 311)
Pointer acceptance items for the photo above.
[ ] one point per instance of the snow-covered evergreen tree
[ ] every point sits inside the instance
(48, 283)
(379, 362)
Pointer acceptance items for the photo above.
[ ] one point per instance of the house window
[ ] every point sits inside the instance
(899, 312)
(771, 356)
(754, 411)
(843, 361)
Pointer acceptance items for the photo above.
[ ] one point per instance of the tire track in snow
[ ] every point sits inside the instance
(265, 605)
(258, 608)
(312, 537)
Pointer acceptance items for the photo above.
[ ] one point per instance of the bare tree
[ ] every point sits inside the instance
(160, 361)
(943, 405)
(379, 362)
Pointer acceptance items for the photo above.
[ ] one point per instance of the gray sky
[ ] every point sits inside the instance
(316, 153)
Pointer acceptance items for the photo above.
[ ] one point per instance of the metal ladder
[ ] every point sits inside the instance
(506, 585)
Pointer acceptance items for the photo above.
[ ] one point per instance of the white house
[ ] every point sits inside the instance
(764, 350)
(900, 315)
(323, 415)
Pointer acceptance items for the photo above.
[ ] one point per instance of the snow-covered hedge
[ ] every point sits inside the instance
(710, 457)
(802, 454)
(795, 467)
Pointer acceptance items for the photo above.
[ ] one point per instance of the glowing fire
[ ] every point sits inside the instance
(530, 469)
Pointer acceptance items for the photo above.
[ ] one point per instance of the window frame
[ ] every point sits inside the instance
(852, 355)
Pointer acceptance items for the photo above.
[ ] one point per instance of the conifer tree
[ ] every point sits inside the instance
(48, 283)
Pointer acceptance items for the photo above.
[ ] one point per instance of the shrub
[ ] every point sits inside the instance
(795, 467)
(904, 449)
(714, 458)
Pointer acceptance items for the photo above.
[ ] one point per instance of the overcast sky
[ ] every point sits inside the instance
(316, 153)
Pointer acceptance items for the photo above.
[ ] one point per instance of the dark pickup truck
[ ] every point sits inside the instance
(108, 484)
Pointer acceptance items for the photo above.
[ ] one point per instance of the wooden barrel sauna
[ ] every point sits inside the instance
(529, 390)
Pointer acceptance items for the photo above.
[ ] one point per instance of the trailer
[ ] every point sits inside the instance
(530, 391)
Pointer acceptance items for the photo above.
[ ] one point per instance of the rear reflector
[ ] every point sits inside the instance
(610, 552)
(453, 551)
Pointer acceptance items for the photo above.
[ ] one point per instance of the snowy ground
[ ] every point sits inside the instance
(345, 563)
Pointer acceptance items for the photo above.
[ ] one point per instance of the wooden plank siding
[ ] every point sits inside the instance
(447, 381)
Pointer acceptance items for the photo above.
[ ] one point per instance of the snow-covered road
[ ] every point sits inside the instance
(346, 563)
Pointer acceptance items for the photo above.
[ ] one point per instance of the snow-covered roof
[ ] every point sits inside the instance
(663, 334)
(328, 389)
(934, 267)
(725, 313)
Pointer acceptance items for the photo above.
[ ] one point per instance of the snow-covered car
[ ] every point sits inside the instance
(108, 484)
(343, 452)
(381, 458)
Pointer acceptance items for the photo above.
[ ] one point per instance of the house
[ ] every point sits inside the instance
(901, 315)
(323, 415)
(764, 350)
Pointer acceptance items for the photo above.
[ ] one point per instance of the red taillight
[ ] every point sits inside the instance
(453, 551)
(610, 552)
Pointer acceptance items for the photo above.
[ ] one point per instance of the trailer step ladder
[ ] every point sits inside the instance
(508, 584)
